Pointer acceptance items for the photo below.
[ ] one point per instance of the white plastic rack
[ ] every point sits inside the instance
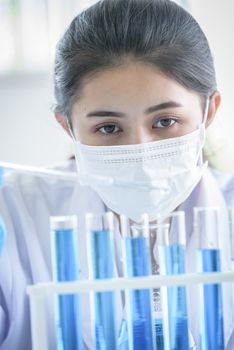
(39, 292)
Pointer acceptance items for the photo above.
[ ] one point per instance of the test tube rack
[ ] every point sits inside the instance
(38, 293)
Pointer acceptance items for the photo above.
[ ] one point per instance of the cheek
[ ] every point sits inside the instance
(82, 134)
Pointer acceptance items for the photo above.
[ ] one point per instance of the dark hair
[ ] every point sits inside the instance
(156, 32)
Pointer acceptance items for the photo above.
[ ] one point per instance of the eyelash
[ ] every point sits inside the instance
(98, 129)
(174, 120)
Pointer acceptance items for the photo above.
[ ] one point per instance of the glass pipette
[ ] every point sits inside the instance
(73, 176)
(5, 168)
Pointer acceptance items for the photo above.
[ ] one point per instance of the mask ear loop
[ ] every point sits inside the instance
(69, 126)
(207, 105)
(203, 126)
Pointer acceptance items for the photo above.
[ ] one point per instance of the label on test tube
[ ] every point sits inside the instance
(159, 319)
(158, 314)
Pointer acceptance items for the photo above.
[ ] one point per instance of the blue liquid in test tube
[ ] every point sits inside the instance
(137, 265)
(208, 260)
(65, 269)
(212, 323)
(172, 259)
(177, 304)
(102, 266)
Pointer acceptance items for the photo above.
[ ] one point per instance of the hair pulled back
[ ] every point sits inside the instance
(156, 32)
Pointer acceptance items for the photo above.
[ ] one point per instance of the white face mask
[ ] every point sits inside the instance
(153, 178)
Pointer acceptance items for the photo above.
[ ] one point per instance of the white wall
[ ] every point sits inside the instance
(28, 131)
(29, 134)
(217, 20)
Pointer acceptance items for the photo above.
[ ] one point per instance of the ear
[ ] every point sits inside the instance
(214, 104)
(62, 121)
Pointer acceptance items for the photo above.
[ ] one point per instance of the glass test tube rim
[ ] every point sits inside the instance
(107, 220)
(162, 225)
(208, 240)
(197, 210)
(63, 222)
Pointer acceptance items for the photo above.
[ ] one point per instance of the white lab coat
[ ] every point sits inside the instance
(26, 203)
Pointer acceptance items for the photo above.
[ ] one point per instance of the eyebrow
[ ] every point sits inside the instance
(161, 106)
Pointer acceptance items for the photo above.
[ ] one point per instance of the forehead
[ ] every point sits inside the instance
(132, 84)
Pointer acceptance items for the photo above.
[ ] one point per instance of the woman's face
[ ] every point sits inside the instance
(133, 104)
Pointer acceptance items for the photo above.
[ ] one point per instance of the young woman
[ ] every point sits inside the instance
(135, 88)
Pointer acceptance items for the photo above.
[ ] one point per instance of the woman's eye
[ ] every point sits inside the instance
(109, 129)
(165, 123)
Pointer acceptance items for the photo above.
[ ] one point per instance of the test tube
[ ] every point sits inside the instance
(206, 226)
(174, 262)
(159, 235)
(64, 248)
(100, 229)
(137, 264)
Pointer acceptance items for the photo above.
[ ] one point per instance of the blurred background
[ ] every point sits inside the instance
(29, 31)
